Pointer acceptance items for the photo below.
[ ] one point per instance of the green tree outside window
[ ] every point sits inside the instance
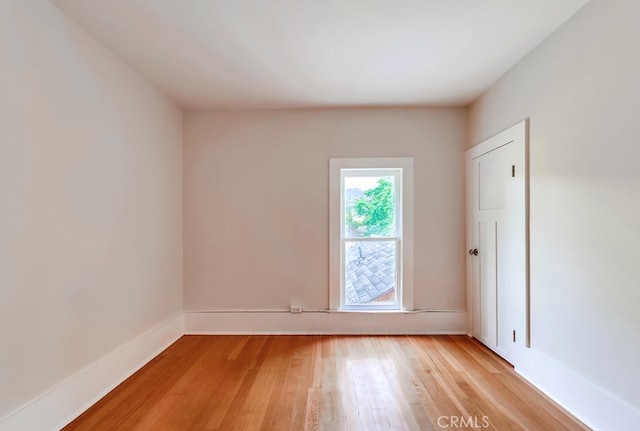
(374, 213)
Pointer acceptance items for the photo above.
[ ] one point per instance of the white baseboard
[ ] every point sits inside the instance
(437, 322)
(59, 406)
(593, 406)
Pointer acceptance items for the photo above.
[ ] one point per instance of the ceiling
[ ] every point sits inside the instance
(228, 54)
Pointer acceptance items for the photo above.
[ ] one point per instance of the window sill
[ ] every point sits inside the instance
(372, 311)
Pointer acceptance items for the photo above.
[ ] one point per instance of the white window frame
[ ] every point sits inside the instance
(404, 285)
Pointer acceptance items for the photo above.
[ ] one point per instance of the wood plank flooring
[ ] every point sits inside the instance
(328, 383)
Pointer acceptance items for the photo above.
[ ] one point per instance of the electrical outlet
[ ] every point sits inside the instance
(296, 308)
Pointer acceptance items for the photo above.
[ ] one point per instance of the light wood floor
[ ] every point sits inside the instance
(328, 383)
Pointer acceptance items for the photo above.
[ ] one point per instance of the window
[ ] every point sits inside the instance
(371, 244)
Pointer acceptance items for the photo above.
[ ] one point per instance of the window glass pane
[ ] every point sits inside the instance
(369, 206)
(370, 272)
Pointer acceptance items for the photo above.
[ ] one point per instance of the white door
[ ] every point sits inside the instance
(497, 241)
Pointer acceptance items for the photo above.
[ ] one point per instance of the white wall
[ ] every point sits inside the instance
(580, 89)
(90, 202)
(256, 202)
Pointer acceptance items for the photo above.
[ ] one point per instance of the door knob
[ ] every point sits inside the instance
(473, 252)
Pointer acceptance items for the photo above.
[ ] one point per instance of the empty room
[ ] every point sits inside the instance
(319, 215)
